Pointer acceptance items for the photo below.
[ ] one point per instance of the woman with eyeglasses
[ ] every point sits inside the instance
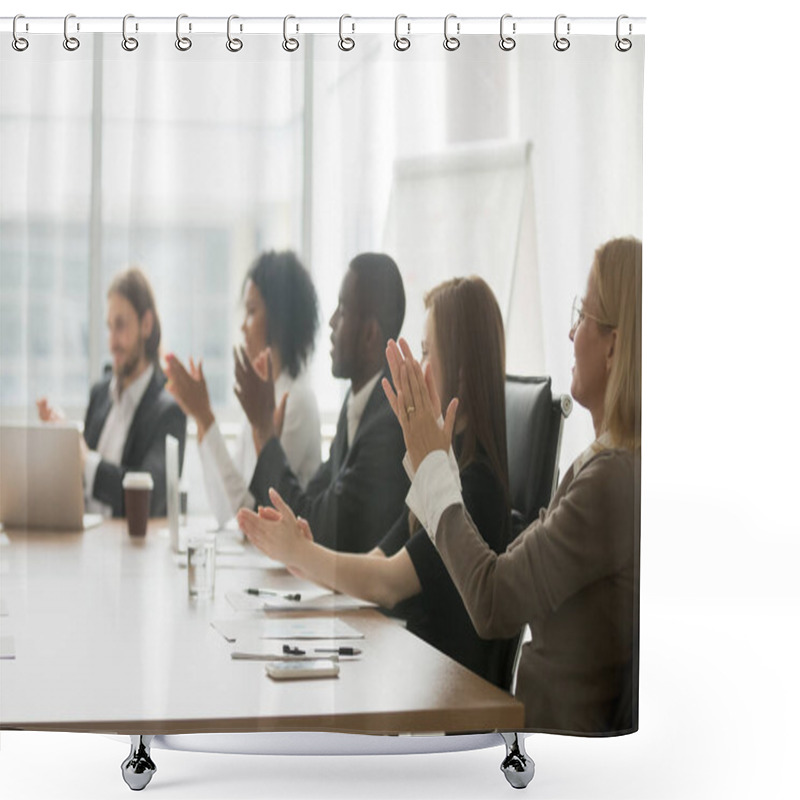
(464, 350)
(573, 575)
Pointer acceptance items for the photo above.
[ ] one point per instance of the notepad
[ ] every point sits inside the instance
(269, 650)
(309, 628)
(315, 599)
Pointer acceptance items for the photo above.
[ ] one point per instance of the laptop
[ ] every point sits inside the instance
(41, 482)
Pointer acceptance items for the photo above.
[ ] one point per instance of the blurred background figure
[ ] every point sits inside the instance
(130, 413)
(279, 328)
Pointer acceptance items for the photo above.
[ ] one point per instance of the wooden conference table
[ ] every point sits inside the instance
(107, 640)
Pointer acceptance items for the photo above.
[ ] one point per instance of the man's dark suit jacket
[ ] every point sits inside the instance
(145, 447)
(356, 495)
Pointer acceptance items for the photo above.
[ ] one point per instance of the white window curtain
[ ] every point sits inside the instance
(186, 164)
(189, 163)
(380, 117)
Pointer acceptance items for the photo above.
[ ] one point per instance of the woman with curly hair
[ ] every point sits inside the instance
(279, 327)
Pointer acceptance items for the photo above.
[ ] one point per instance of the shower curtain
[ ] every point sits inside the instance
(510, 162)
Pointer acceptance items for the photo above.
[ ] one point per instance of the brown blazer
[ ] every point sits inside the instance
(573, 575)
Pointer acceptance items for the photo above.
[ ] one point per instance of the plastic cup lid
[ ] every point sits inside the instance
(137, 480)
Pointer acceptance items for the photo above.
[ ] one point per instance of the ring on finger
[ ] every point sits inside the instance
(410, 410)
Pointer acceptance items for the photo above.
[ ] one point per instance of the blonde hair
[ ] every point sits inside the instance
(617, 272)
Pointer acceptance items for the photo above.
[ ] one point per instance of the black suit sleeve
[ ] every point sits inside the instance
(486, 505)
(273, 471)
(443, 620)
(148, 455)
(351, 510)
(398, 535)
(89, 420)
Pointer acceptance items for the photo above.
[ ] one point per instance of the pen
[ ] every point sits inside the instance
(257, 592)
(342, 651)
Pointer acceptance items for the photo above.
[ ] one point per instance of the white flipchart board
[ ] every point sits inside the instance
(469, 210)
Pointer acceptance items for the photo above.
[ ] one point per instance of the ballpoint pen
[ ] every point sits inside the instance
(341, 651)
(258, 592)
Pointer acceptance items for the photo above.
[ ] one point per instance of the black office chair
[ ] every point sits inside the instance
(534, 421)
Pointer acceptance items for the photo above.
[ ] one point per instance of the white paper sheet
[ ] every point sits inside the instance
(309, 628)
(269, 650)
(317, 599)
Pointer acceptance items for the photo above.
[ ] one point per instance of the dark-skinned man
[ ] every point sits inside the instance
(358, 493)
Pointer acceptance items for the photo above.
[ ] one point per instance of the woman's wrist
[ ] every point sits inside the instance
(299, 553)
(262, 434)
(204, 421)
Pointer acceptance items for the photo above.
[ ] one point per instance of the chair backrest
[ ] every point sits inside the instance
(534, 421)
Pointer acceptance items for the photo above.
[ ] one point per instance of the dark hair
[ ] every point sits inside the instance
(132, 284)
(380, 293)
(292, 309)
(469, 335)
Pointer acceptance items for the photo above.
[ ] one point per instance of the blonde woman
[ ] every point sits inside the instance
(573, 575)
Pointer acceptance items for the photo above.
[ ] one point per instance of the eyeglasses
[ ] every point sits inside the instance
(578, 315)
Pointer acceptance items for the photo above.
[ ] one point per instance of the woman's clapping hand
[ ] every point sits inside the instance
(415, 402)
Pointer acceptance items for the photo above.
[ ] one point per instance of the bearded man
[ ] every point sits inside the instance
(130, 412)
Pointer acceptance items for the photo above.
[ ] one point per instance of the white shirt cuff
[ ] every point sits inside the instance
(434, 488)
(212, 441)
(90, 465)
(226, 489)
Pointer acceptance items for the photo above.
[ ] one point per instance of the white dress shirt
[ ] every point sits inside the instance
(227, 478)
(114, 434)
(356, 403)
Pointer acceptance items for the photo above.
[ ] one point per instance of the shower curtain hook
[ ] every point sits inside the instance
(401, 43)
(289, 44)
(345, 42)
(129, 43)
(507, 42)
(451, 42)
(234, 45)
(18, 42)
(183, 43)
(561, 43)
(71, 43)
(623, 45)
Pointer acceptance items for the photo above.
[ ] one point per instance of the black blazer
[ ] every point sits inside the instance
(145, 450)
(357, 494)
(437, 614)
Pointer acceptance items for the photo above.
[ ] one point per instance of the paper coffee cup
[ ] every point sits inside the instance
(137, 487)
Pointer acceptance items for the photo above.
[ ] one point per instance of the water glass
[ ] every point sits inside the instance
(201, 563)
